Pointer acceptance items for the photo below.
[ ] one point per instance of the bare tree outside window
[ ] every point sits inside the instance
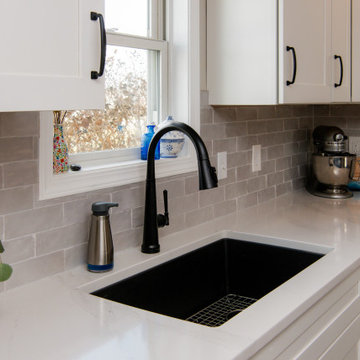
(124, 119)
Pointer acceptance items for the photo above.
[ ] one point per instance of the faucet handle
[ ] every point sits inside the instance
(163, 219)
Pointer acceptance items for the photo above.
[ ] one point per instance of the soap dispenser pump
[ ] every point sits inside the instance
(100, 249)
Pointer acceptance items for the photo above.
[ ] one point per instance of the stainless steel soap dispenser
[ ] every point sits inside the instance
(100, 249)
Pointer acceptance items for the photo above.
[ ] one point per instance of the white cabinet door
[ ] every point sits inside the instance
(341, 49)
(304, 44)
(356, 50)
(48, 50)
(242, 51)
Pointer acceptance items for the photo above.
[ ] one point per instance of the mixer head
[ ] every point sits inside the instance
(329, 139)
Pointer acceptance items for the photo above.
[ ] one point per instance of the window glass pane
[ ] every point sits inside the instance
(128, 76)
(127, 16)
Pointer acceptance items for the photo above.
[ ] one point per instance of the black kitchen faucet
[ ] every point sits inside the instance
(207, 180)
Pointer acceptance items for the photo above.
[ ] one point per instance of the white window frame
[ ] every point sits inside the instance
(183, 102)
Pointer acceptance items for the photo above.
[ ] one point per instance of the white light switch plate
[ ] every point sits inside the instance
(222, 165)
(354, 145)
(256, 158)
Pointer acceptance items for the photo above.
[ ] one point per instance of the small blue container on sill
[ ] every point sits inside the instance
(145, 142)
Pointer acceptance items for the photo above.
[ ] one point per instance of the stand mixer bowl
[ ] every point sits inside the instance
(333, 170)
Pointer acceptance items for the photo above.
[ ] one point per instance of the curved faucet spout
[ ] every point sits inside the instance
(207, 180)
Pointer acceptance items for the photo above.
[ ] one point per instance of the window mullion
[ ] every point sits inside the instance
(156, 19)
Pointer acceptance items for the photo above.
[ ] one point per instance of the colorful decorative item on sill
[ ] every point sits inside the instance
(5, 269)
(172, 142)
(60, 149)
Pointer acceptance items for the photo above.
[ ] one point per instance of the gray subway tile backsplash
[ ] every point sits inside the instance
(33, 221)
(16, 149)
(36, 268)
(224, 208)
(120, 220)
(45, 237)
(61, 238)
(19, 249)
(20, 173)
(16, 199)
(199, 216)
(19, 124)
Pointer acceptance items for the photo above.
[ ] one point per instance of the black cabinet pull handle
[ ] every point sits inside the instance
(290, 48)
(341, 70)
(94, 16)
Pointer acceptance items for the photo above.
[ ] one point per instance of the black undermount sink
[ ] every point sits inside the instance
(213, 283)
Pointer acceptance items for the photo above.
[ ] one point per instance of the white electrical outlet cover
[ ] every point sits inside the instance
(256, 158)
(354, 145)
(222, 165)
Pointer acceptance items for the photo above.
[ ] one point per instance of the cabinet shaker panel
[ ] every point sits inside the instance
(242, 51)
(304, 26)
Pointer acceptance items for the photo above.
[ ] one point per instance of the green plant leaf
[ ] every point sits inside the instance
(5, 272)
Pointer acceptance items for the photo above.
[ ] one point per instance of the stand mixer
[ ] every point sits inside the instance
(331, 166)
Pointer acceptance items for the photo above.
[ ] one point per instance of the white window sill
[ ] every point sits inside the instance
(95, 178)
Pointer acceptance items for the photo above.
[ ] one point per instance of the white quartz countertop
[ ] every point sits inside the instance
(56, 318)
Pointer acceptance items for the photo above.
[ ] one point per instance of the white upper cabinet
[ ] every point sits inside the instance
(49, 49)
(268, 51)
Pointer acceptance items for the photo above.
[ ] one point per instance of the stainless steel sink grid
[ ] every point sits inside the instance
(221, 310)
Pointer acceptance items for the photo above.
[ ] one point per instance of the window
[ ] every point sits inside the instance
(127, 108)
(166, 81)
